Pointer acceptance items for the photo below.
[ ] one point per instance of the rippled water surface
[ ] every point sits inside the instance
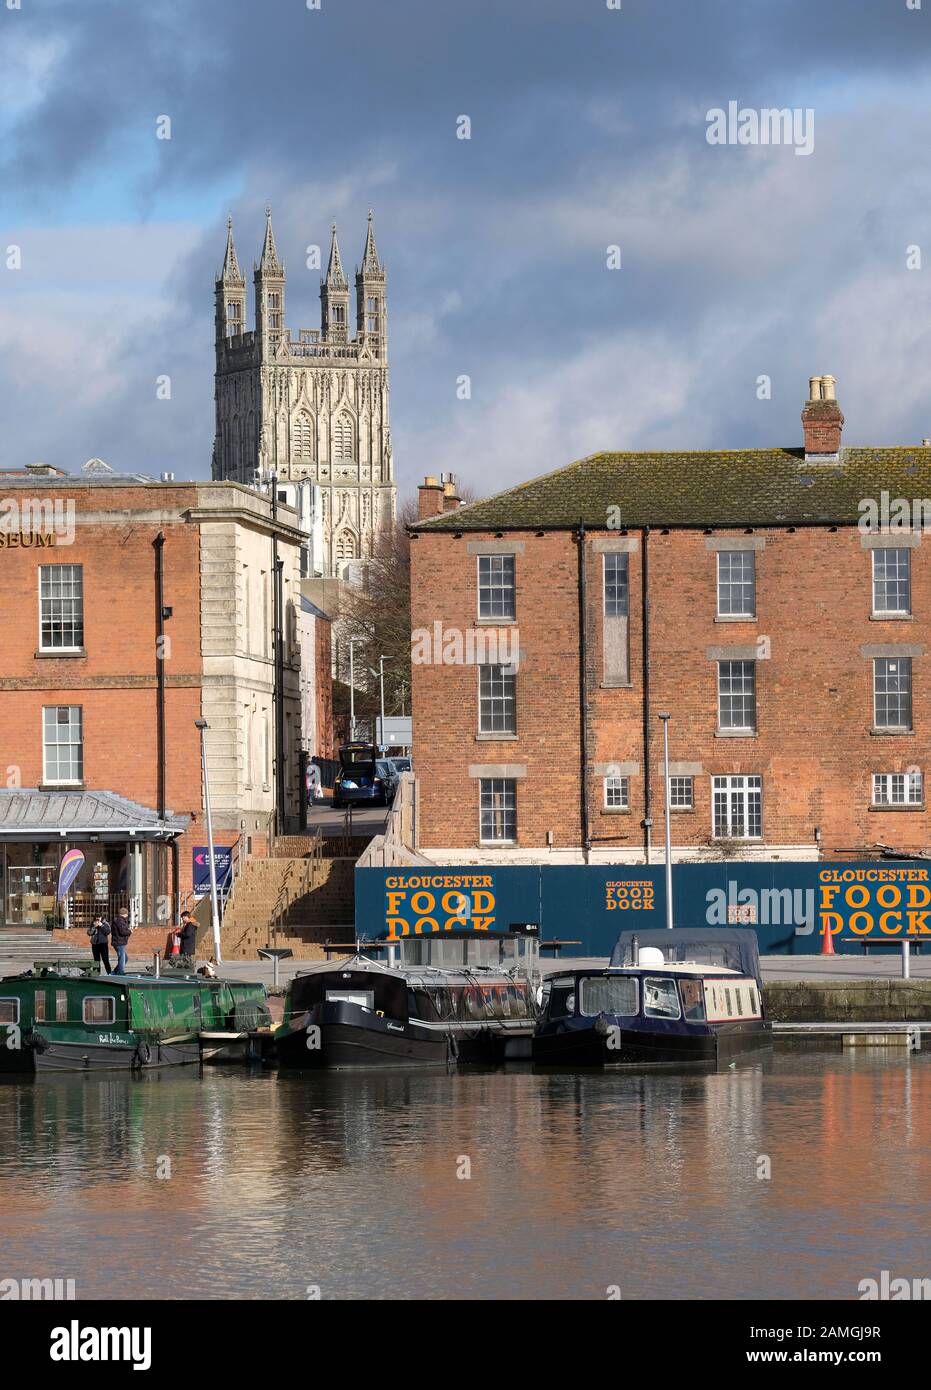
(354, 1182)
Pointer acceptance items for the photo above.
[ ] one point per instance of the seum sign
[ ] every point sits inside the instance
(791, 906)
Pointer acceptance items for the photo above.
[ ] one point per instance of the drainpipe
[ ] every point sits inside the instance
(583, 695)
(645, 649)
(159, 544)
(278, 647)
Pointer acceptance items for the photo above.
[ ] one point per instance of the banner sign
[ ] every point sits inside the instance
(791, 905)
(71, 865)
(222, 863)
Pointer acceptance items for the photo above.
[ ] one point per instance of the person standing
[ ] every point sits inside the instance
(188, 934)
(99, 933)
(120, 933)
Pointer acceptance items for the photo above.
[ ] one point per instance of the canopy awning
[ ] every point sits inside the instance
(82, 815)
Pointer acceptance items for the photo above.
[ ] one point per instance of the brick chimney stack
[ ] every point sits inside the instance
(431, 499)
(822, 419)
(451, 498)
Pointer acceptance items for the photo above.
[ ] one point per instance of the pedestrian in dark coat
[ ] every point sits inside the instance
(99, 933)
(188, 934)
(120, 933)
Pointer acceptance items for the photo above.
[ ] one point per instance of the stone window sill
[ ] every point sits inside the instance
(62, 786)
(736, 618)
(616, 685)
(914, 806)
(735, 733)
(496, 622)
(62, 654)
(615, 810)
(892, 733)
(495, 738)
(892, 618)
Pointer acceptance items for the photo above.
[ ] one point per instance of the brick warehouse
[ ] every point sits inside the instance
(741, 592)
(98, 696)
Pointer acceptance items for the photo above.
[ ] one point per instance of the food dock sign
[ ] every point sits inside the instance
(790, 904)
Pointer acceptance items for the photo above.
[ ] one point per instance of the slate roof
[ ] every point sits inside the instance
(26, 810)
(741, 487)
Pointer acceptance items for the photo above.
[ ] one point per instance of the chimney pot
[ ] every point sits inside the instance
(430, 498)
(822, 419)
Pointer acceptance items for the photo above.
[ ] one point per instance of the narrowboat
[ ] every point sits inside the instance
(73, 1019)
(667, 998)
(453, 998)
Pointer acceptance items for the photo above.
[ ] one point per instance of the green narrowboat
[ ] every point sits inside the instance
(61, 1019)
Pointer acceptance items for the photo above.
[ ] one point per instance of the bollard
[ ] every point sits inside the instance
(905, 959)
(157, 961)
(275, 971)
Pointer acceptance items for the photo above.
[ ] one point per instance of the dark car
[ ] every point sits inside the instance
(401, 765)
(363, 778)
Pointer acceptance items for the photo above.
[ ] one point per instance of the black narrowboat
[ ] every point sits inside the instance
(668, 998)
(478, 1005)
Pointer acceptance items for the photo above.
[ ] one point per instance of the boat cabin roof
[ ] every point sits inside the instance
(677, 967)
(172, 981)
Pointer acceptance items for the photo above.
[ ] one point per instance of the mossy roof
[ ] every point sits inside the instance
(741, 487)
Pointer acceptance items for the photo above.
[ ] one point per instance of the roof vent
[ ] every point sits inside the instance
(168, 477)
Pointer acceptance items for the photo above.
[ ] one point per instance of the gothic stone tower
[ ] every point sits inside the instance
(310, 406)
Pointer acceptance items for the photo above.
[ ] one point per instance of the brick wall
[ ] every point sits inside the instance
(813, 748)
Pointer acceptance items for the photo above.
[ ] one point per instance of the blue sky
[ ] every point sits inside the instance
(588, 130)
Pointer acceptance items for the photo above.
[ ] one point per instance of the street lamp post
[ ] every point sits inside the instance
(665, 719)
(380, 673)
(352, 689)
(203, 726)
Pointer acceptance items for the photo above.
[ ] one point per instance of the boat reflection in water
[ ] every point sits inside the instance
(667, 999)
(456, 997)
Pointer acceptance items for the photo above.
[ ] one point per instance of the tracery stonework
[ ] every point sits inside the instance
(310, 405)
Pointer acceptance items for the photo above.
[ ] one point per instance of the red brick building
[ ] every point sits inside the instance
(752, 595)
(134, 607)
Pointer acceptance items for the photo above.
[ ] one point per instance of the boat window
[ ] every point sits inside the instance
(9, 1011)
(146, 1006)
(365, 998)
(61, 1006)
(39, 1006)
(99, 1008)
(693, 1004)
(660, 999)
(562, 998)
(600, 994)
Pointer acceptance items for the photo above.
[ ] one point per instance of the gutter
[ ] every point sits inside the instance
(583, 696)
(645, 651)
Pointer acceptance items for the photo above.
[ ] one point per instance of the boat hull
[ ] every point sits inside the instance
(639, 1048)
(341, 1035)
(41, 1053)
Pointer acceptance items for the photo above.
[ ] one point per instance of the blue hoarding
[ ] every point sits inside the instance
(790, 904)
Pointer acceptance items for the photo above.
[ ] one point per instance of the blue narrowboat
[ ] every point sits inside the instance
(667, 998)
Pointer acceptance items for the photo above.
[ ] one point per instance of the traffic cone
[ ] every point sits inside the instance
(827, 943)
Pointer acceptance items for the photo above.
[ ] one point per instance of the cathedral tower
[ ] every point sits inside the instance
(310, 405)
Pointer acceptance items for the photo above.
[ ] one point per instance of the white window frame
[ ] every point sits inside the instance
(501, 700)
(48, 780)
(682, 805)
(898, 661)
(510, 782)
(731, 785)
(623, 788)
(723, 695)
(98, 1022)
(496, 588)
(744, 556)
(77, 647)
(885, 782)
(899, 551)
